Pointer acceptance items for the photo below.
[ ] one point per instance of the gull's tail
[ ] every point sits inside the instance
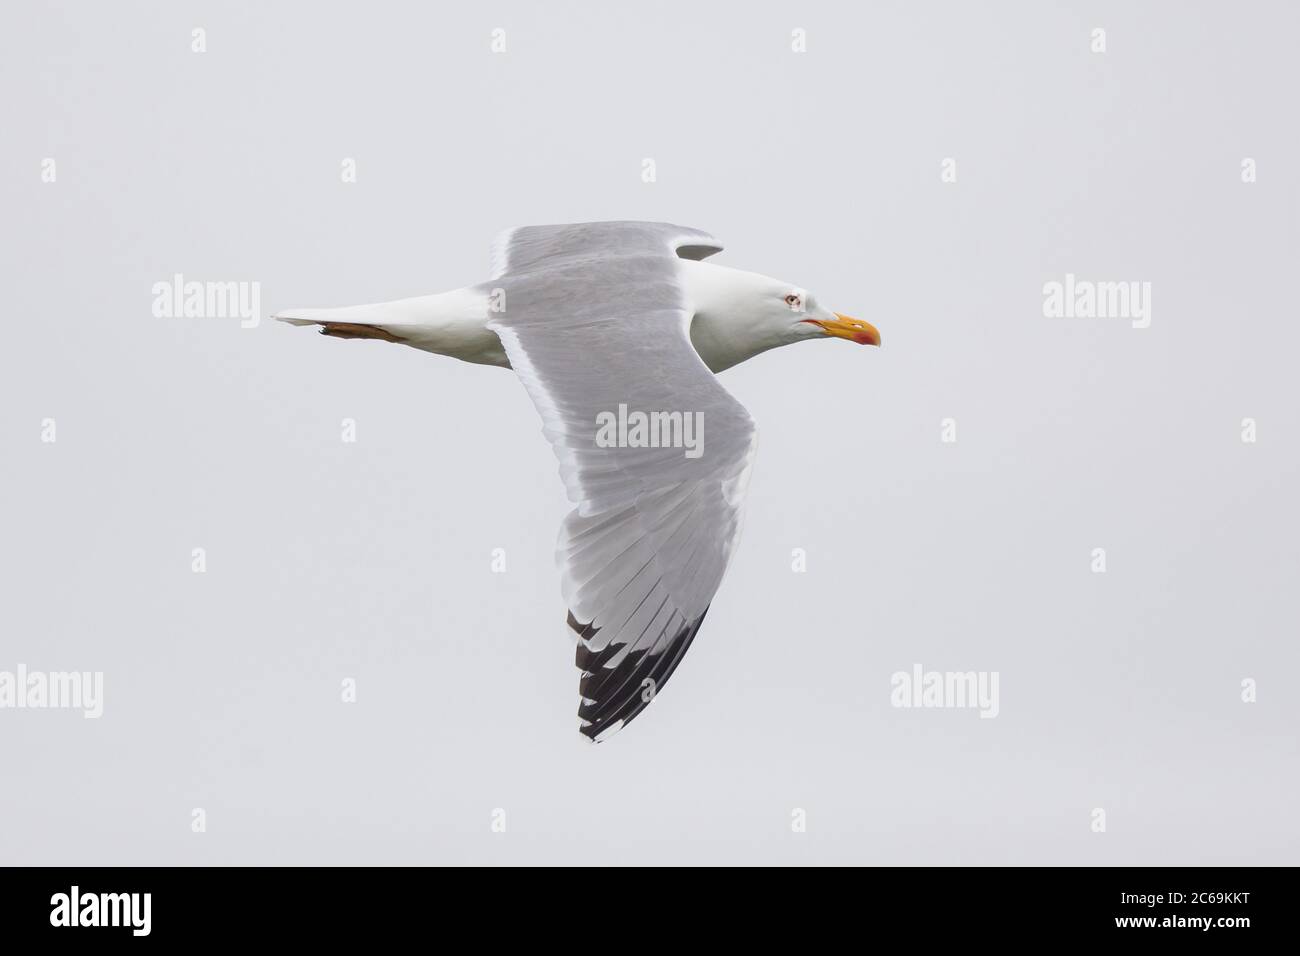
(452, 323)
(389, 321)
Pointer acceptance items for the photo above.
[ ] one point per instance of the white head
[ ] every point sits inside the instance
(740, 314)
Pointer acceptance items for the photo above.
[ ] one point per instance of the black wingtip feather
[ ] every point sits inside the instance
(629, 696)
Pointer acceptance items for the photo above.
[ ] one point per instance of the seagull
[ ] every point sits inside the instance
(616, 330)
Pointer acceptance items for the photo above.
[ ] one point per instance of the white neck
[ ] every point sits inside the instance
(726, 329)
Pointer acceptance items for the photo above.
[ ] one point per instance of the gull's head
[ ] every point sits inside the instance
(813, 321)
(740, 314)
(793, 314)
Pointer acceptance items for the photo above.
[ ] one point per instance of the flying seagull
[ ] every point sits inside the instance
(615, 330)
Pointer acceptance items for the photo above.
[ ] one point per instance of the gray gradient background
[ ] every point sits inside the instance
(328, 560)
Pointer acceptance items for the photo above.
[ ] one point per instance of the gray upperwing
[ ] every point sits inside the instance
(527, 248)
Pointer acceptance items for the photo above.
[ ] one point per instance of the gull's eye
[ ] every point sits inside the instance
(794, 302)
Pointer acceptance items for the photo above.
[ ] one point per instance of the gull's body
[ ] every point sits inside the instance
(594, 317)
(456, 323)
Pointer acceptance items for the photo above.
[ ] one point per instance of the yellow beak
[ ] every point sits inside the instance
(847, 327)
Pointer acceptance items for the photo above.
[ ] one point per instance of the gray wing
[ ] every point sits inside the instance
(644, 551)
(526, 248)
